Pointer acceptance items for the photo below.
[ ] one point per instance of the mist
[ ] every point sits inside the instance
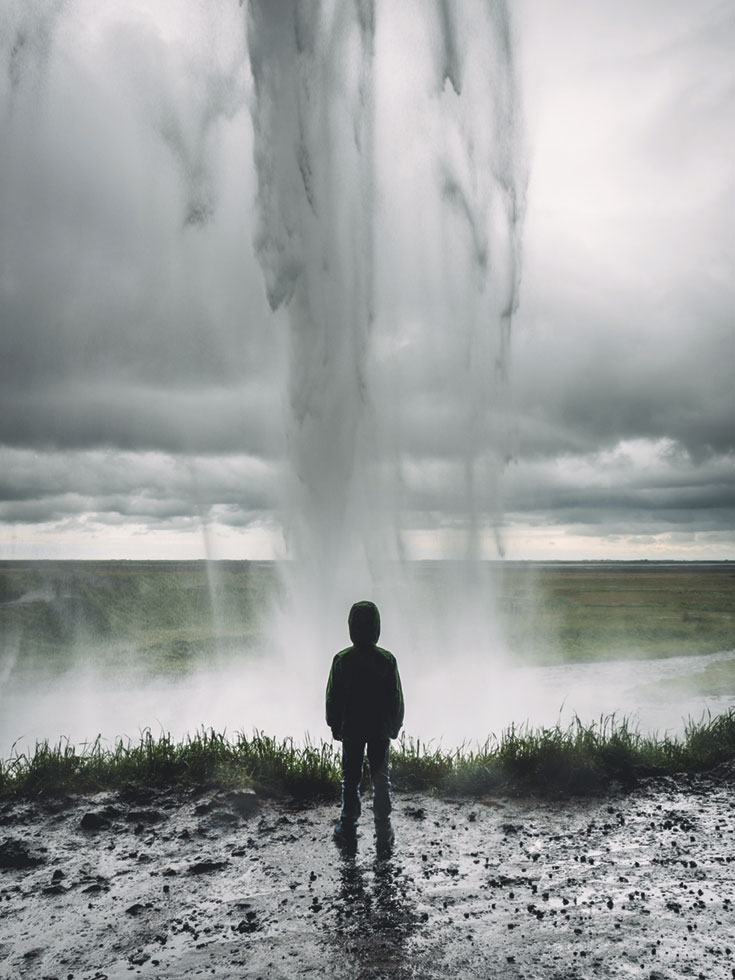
(114, 649)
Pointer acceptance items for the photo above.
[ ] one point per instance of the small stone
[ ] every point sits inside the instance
(55, 890)
(243, 801)
(15, 854)
(204, 867)
(223, 817)
(95, 888)
(94, 821)
(147, 817)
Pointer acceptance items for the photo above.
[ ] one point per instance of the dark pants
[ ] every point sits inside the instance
(378, 753)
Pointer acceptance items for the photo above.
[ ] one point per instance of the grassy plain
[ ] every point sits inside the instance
(166, 616)
(158, 617)
(579, 758)
(567, 613)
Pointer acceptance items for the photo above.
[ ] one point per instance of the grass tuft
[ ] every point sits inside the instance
(577, 759)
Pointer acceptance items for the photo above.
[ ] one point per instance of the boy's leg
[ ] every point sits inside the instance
(353, 751)
(379, 759)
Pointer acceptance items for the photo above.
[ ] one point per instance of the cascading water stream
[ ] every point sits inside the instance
(325, 179)
(312, 119)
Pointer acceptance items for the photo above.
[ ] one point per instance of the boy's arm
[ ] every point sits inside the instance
(398, 704)
(334, 700)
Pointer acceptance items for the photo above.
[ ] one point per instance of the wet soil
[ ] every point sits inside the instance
(186, 884)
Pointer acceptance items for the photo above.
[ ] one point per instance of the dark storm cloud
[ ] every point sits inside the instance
(115, 415)
(587, 388)
(149, 488)
(710, 491)
(636, 488)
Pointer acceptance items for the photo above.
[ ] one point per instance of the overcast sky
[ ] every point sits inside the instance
(143, 376)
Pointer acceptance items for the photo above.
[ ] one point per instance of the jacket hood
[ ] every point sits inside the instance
(364, 622)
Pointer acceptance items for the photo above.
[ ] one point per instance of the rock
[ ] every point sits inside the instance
(145, 816)
(137, 908)
(223, 817)
(243, 801)
(95, 889)
(248, 924)
(511, 828)
(15, 854)
(204, 867)
(93, 820)
(56, 889)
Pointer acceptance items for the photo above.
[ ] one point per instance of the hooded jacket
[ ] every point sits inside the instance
(364, 695)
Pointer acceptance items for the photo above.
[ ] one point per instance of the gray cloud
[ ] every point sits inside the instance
(579, 388)
(133, 417)
(149, 488)
(143, 377)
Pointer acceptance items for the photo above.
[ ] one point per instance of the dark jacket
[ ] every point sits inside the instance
(364, 694)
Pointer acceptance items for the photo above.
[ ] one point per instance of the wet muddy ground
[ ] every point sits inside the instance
(226, 885)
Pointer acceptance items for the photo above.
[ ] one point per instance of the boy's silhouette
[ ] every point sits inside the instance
(365, 708)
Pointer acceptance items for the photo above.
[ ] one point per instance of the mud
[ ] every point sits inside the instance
(188, 884)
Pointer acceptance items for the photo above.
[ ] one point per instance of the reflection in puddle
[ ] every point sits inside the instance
(375, 920)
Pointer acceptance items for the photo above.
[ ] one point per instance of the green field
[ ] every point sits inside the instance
(158, 616)
(163, 617)
(582, 612)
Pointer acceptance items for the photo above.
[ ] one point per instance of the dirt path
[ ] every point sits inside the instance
(174, 885)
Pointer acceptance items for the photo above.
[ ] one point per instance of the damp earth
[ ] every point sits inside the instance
(200, 882)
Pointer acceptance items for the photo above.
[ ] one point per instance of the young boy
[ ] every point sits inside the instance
(365, 708)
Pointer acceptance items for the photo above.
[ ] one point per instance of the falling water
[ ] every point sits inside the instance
(330, 193)
(312, 67)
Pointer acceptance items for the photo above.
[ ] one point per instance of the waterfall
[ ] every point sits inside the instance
(326, 76)
(313, 145)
